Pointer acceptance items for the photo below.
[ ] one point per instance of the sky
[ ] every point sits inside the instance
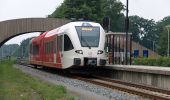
(149, 9)
(14, 9)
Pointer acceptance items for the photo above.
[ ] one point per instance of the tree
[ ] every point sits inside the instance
(163, 41)
(23, 49)
(94, 10)
(86, 9)
(144, 31)
(163, 36)
(8, 50)
(113, 9)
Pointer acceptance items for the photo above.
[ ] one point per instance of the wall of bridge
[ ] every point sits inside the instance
(12, 28)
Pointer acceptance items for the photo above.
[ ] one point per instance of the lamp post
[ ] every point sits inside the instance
(153, 44)
(126, 28)
(168, 26)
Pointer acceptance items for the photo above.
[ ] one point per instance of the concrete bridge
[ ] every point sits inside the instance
(12, 28)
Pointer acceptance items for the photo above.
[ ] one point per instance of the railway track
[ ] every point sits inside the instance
(135, 85)
(145, 91)
(142, 90)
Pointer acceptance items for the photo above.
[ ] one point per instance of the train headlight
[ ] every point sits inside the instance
(99, 52)
(79, 51)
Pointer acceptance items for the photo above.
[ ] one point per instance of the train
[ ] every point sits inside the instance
(75, 44)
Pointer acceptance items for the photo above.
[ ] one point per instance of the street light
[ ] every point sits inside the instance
(153, 44)
(168, 26)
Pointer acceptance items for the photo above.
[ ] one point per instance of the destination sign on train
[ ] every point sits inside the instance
(87, 29)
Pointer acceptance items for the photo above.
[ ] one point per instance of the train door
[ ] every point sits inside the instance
(67, 52)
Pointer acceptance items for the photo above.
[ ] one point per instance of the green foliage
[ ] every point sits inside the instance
(163, 38)
(94, 10)
(155, 33)
(8, 50)
(23, 49)
(87, 9)
(162, 61)
(113, 9)
(163, 41)
(140, 25)
(15, 50)
(15, 85)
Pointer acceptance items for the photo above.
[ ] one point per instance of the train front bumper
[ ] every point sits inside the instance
(89, 62)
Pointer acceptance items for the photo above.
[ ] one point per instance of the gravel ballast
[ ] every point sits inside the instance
(81, 90)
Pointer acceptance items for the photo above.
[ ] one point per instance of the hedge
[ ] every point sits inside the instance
(162, 61)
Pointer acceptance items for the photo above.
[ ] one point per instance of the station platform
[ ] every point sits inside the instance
(146, 75)
(141, 68)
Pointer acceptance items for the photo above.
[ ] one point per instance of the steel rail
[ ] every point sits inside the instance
(151, 88)
(142, 92)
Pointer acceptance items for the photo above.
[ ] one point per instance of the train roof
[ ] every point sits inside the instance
(37, 39)
(60, 30)
(70, 25)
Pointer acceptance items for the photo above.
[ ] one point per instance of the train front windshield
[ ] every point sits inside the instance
(88, 36)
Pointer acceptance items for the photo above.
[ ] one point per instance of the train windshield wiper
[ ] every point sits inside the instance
(86, 43)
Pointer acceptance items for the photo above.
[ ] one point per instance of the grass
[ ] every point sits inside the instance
(15, 85)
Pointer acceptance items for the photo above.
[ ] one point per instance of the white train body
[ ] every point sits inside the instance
(86, 47)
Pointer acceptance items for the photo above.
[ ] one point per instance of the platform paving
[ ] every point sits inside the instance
(141, 68)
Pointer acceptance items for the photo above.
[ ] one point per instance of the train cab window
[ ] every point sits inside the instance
(89, 36)
(67, 43)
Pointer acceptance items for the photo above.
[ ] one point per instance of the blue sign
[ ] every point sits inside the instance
(136, 53)
(145, 53)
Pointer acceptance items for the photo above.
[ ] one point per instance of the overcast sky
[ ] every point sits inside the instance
(149, 9)
(13, 9)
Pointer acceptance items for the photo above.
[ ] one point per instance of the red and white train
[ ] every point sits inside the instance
(74, 44)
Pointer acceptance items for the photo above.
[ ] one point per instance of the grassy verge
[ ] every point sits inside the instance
(15, 85)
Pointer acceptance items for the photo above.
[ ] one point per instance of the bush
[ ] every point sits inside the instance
(162, 61)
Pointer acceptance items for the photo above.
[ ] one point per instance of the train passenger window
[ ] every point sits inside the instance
(30, 49)
(45, 48)
(49, 47)
(35, 50)
(55, 45)
(59, 43)
(52, 46)
(67, 43)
